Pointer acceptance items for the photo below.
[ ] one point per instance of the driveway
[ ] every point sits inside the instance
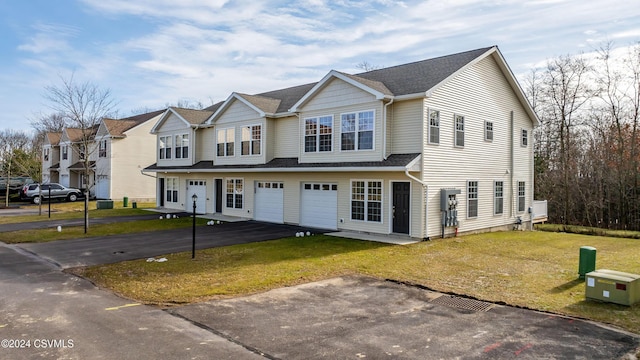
(116, 248)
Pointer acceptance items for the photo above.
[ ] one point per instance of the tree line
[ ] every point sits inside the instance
(587, 149)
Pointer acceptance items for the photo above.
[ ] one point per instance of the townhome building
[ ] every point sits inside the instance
(118, 151)
(425, 149)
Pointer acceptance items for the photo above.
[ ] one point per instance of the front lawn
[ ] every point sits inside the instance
(536, 270)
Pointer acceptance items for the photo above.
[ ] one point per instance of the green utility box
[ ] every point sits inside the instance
(104, 204)
(587, 261)
(125, 202)
(613, 286)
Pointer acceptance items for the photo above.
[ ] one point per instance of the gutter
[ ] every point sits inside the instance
(384, 129)
(425, 188)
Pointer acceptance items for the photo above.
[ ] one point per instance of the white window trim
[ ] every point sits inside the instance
(495, 198)
(429, 127)
(373, 135)
(524, 197)
(164, 149)
(493, 133)
(173, 188)
(250, 126)
(317, 135)
(476, 199)
(225, 131)
(522, 144)
(189, 146)
(366, 200)
(455, 130)
(226, 193)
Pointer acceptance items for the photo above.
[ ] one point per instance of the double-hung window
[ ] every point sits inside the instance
(102, 151)
(434, 127)
(472, 199)
(252, 140)
(498, 197)
(182, 146)
(226, 142)
(488, 130)
(357, 130)
(317, 134)
(165, 147)
(524, 138)
(65, 152)
(366, 200)
(235, 192)
(172, 189)
(459, 135)
(521, 196)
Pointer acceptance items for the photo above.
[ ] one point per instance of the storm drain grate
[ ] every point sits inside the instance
(462, 303)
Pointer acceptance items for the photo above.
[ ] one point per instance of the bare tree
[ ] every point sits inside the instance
(11, 144)
(367, 66)
(83, 106)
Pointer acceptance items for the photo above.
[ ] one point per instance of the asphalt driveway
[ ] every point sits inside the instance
(116, 248)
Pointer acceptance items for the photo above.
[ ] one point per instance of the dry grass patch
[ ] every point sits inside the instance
(537, 270)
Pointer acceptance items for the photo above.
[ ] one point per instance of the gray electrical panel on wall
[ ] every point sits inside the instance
(449, 207)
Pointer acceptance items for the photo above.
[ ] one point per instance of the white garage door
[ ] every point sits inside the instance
(319, 205)
(198, 187)
(269, 202)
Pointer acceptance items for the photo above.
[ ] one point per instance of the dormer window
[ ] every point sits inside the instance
(165, 147)
(317, 134)
(357, 130)
(102, 152)
(252, 140)
(182, 146)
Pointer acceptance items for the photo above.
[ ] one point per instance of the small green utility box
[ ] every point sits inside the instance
(587, 262)
(613, 286)
(104, 204)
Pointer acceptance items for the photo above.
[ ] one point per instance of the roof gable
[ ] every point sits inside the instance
(262, 105)
(190, 117)
(53, 138)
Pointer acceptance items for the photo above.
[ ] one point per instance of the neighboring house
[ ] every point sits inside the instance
(424, 149)
(119, 151)
(124, 149)
(51, 157)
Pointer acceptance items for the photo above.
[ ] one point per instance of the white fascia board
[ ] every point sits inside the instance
(164, 117)
(286, 170)
(333, 74)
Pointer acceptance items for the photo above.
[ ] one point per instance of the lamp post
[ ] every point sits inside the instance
(194, 197)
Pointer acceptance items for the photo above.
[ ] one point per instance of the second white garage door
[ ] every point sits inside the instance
(269, 201)
(319, 205)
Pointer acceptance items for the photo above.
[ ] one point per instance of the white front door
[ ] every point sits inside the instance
(269, 201)
(319, 205)
(199, 188)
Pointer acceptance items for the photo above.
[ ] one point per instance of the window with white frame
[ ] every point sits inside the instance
(46, 154)
(65, 152)
(488, 130)
(165, 146)
(172, 189)
(366, 200)
(357, 130)
(317, 134)
(251, 140)
(459, 126)
(434, 127)
(472, 199)
(226, 142)
(524, 138)
(235, 192)
(182, 146)
(102, 148)
(498, 197)
(521, 196)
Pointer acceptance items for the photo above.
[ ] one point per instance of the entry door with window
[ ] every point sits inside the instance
(401, 192)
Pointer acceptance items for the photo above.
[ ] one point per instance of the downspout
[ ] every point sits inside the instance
(425, 188)
(511, 165)
(384, 130)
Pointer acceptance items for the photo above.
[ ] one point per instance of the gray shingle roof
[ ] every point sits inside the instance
(393, 161)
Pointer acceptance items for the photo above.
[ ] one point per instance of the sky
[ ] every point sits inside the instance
(154, 53)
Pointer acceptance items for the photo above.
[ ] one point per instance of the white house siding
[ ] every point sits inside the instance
(404, 120)
(129, 156)
(481, 93)
(173, 126)
(206, 144)
(285, 137)
(236, 116)
(336, 98)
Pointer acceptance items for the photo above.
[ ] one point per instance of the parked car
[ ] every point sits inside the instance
(32, 192)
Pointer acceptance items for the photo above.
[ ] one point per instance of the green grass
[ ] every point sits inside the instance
(536, 270)
(586, 230)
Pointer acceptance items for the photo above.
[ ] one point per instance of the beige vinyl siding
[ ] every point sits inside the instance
(285, 137)
(337, 93)
(405, 127)
(292, 194)
(129, 155)
(173, 126)
(173, 123)
(205, 144)
(480, 93)
(236, 112)
(238, 158)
